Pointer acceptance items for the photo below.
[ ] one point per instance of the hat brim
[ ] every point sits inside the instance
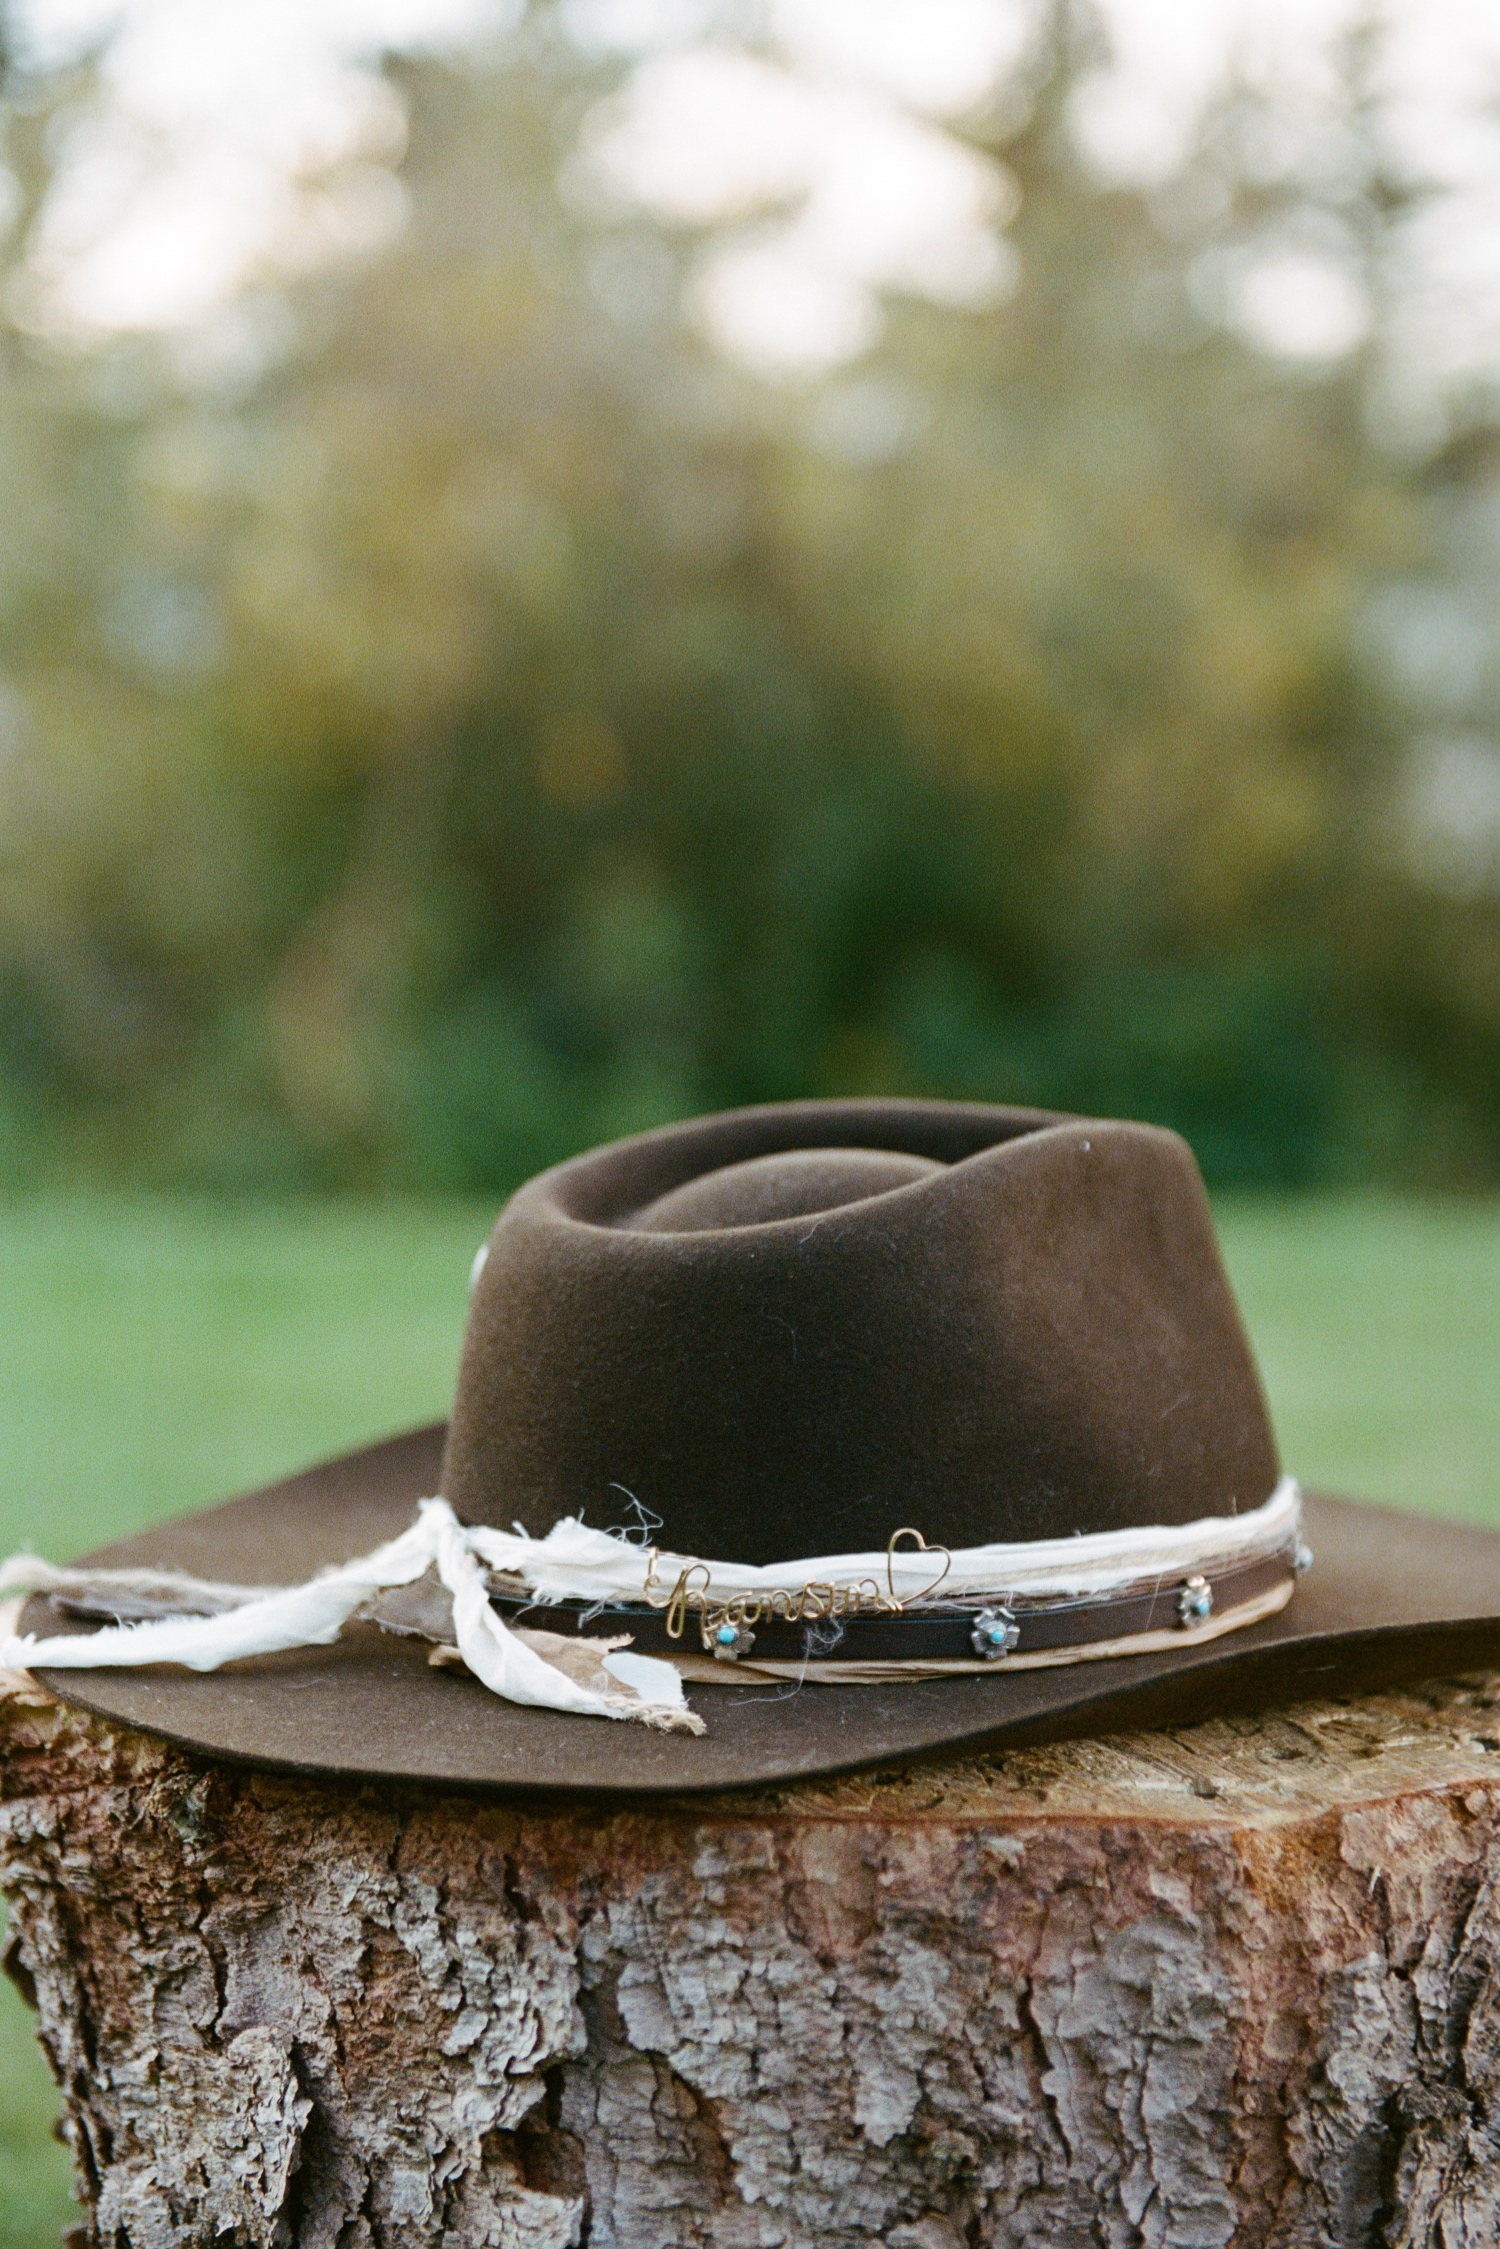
(1392, 1597)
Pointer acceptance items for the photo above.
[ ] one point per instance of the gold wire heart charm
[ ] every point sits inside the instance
(922, 1548)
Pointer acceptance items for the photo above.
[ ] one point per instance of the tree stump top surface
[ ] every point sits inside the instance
(1223, 1773)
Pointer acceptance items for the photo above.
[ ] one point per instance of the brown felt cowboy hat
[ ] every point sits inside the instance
(916, 1427)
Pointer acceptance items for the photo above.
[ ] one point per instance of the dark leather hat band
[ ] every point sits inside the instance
(946, 1635)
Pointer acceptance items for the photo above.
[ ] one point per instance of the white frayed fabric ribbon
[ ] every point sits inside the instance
(575, 1563)
(256, 1621)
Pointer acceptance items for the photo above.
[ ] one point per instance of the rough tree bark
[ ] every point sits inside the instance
(1228, 1986)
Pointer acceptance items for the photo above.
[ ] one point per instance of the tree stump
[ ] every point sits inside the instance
(1232, 1985)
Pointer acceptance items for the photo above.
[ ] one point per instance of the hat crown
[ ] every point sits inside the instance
(793, 1183)
(793, 1330)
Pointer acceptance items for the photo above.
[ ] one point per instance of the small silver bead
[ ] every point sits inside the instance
(1195, 1602)
(995, 1633)
(1302, 1558)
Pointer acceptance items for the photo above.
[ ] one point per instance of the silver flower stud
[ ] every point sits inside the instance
(1195, 1602)
(995, 1634)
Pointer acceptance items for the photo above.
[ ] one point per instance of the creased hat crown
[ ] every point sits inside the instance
(794, 1330)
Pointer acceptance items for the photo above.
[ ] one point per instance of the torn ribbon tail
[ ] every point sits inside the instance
(28, 1573)
(516, 1672)
(299, 1616)
(308, 1616)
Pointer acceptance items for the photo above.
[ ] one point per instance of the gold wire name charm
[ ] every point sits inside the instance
(727, 1628)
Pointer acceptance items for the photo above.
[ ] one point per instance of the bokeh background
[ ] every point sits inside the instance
(572, 562)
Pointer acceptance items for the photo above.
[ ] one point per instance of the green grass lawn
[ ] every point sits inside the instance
(155, 1356)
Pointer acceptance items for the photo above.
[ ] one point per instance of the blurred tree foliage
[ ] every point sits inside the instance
(470, 718)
